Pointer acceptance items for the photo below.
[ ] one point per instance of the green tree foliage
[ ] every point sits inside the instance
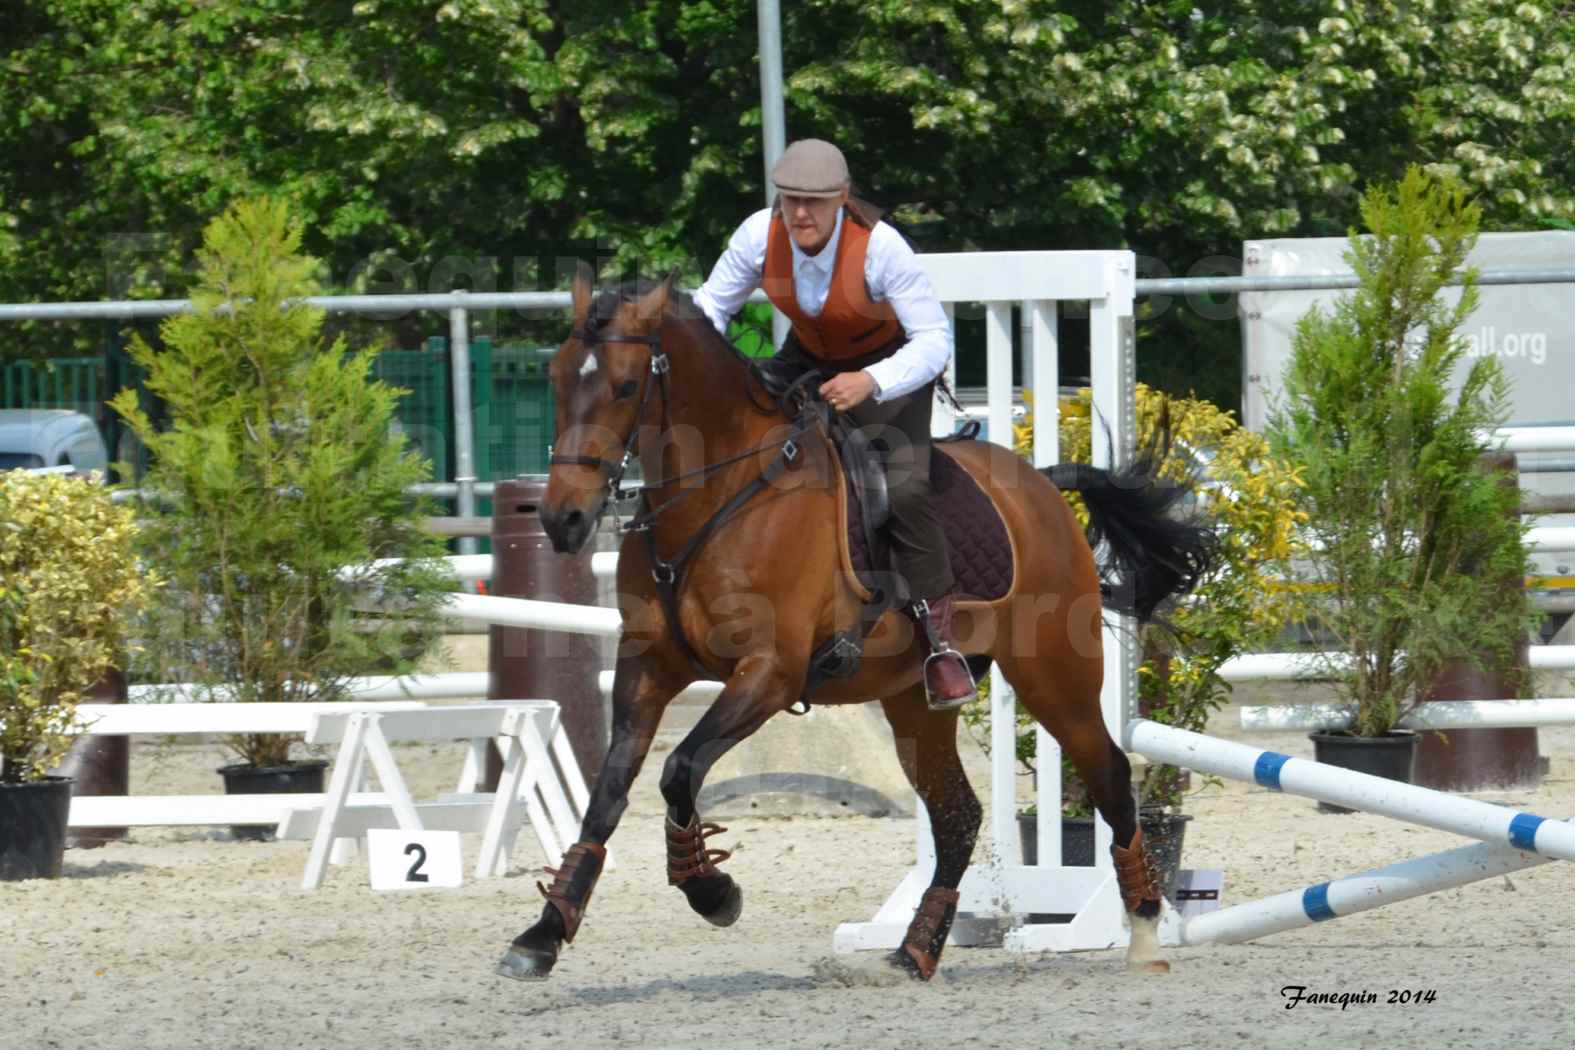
(420, 139)
(277, 488)
(1414, 539)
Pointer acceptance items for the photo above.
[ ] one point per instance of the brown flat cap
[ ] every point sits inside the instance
(811, 168)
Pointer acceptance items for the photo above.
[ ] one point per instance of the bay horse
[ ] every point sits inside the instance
(757, 500)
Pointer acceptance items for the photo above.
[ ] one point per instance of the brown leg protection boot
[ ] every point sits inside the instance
(1142, 899)
(691, 866)
(927, 932)
(573, 883)
(948, 684)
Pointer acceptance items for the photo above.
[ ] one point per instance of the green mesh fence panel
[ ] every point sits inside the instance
(425, 410)
(76, 383)
(511, 405)
(522, 407)
(511, 409)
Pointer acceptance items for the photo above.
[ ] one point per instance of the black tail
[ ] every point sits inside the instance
(1153, 555)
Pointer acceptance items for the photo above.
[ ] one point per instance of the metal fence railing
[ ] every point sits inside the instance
(479, 429)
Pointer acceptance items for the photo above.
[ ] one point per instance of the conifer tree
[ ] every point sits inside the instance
(1412, 536)
(277, 487)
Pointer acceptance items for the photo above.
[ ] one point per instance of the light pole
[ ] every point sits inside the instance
(773, 120)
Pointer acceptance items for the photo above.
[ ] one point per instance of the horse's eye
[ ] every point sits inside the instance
(626, 389)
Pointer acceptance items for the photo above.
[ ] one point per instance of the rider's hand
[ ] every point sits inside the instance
(848, 390)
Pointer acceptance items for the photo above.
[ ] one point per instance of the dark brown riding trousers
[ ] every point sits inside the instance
(900, 428)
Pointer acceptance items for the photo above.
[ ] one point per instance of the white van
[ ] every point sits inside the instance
(50, 438)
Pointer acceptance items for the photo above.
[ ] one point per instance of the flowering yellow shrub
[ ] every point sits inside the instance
(68, 585)
(1243, 602)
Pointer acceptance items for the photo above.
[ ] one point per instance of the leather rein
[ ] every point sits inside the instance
(668, 573)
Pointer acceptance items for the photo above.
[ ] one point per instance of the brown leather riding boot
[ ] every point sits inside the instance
(948, 684)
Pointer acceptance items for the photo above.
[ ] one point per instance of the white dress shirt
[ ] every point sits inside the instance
(891, 274)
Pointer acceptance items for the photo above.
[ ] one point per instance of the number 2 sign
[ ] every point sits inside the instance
(413, 860)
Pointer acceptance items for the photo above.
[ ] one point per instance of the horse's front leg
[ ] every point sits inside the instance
(927, 748)
(759, 687)
(638, 703)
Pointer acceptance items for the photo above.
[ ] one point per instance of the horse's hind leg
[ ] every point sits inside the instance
(927, 749)
(1063, 696)
(638, 703)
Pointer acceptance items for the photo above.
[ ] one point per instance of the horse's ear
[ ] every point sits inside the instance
(584, 286)
(653, 302)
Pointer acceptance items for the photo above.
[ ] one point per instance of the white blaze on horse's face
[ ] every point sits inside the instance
(588, 369)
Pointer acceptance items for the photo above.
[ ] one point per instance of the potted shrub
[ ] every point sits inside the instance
(1238, 607)
(69, 583)
(1410, 537)
(278, 486)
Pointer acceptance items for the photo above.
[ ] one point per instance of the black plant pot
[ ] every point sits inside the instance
(292, 779)
(1163, 834)
(1391, 756)
(33, 828)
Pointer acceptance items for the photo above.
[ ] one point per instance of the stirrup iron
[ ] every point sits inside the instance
(933, 702)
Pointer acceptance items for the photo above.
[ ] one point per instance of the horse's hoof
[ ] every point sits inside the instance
(1151, 966)
(731, 908)
(525, 964)
(907, 964)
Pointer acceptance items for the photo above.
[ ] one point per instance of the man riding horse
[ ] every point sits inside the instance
(863, 314)
(644, 373)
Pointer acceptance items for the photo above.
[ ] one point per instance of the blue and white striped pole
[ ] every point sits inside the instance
(1299, 776)
(1371, 889)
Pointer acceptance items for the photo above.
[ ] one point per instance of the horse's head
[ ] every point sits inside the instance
(604, 378)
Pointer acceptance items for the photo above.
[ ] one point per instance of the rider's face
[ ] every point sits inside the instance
(811, 219)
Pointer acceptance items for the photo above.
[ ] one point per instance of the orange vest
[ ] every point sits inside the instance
(850, 325)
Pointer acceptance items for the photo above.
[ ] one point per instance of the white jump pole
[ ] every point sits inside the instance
(1300, 776)
(1439, 714)
(447, 685)
(526, 612)
(1372, 889)
(1534, 439)
(1254, 667)
(703, 691)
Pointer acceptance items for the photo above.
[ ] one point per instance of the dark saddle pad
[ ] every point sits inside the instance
(976, 540)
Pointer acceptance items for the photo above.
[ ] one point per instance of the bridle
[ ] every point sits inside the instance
(661, 366)
(668, 573)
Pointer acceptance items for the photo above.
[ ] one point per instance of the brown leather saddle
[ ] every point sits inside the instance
(976, 541)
